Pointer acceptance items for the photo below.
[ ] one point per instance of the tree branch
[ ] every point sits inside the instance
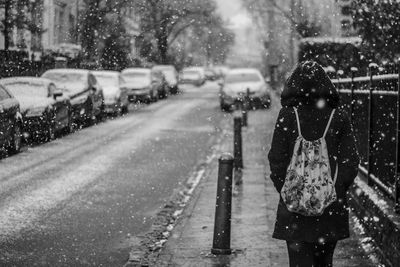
(286, 14)
(179, 31)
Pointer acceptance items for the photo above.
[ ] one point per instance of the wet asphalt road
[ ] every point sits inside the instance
(86, 198)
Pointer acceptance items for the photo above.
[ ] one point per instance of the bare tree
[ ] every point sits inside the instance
(165, 20)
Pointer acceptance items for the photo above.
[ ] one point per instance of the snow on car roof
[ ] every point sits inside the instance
(163, 67)
(194, 68)
(24, 79)
(198, 69)
(69, 70)
(243, 70)
(142, 70)
(108, 72)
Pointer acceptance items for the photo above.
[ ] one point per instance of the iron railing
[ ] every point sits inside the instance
(373, 105)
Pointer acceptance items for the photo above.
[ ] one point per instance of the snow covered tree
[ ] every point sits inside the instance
(99, 19)
(215, 40)
(21, 14)
(377, 22)
(165, 20)
(294, 11)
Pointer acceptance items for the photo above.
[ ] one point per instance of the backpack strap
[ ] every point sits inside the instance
(298, 121)
(329, 124)
(336, 173)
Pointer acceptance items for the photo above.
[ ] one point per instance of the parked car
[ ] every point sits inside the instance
(10, 122)
(142, 84)
(114, 91)
(171, 76)
(210, 74)
(236, 84)
(193, 75)
(44, 108)
(221, 71)
(85, 92)
(163, 89)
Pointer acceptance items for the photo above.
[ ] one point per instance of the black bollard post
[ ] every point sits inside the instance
(223, 208)
(244, 118)
(246, 105)
(237, 142)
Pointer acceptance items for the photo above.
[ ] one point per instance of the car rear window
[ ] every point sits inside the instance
(27, 88)
(65, 78)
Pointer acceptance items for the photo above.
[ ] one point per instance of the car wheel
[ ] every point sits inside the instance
(16, 140)
(224, 107)
(51, 131)
(90, 116)
(70, 125)
(119, 109)
(102, 114)
(155, 96)
(125, 108)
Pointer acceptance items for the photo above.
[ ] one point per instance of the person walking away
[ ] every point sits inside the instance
(313, 161)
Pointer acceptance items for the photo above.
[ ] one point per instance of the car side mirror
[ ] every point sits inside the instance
(57, 94)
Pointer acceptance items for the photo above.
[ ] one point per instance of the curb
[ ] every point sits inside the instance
(174, 213)
(381, 223)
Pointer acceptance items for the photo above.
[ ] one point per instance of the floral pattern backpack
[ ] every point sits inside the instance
(309, 188)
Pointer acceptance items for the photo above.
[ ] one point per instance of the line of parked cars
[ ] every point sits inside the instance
(37, 108)
(199, 75)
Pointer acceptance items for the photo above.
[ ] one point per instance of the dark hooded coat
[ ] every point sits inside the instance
(305, 86)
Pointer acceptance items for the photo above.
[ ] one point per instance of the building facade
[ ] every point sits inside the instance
(60, 22)
(284, 23)
(57, 20)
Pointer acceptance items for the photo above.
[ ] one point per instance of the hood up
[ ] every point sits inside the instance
(307, 84)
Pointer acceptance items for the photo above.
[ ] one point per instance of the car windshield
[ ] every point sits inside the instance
(71, 82)
(27, 88)
(65, 78)
(107, 80)
(242, 77)
(136, 76)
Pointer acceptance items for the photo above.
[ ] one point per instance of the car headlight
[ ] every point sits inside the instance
(35, 112)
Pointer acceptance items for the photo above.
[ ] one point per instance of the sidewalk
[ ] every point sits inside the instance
(253, 213)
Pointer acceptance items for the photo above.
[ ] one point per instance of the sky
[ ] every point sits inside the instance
(247, 43)
(232, 11)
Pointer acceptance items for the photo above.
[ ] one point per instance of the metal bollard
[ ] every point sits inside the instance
(223, 208)
(244, 118)
(245, 109)
(237, 142)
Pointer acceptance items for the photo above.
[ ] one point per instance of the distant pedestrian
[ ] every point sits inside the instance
(313, 160)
